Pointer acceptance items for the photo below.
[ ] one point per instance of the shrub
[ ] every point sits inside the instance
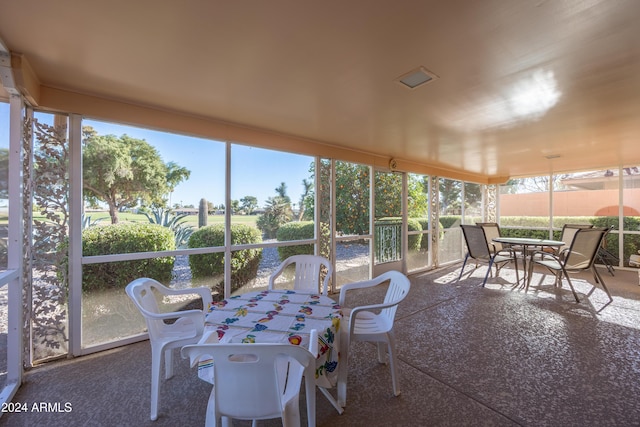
(244, 263)
(295, 231)
(175, 222)
(126, 238)
(415, 240)
(631, 241)
(450, 221)
(300, 230)
(424, 224)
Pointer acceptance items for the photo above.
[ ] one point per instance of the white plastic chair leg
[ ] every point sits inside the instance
(168, 363)
(393, 365)
(382, 357)
(156, 354)
(343, 366)
(210, 418)
(291, 415)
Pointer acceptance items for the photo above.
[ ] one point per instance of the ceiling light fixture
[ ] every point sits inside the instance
(416, 78)
(552, 156)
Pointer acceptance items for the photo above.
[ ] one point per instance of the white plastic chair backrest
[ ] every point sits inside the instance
(141, 293)
(397, 291)
(308, 272)
(584, 247)
(249, 382)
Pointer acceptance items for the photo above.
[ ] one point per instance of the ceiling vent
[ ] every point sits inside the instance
(416, 78)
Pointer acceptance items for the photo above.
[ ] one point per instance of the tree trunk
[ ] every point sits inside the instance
(113, 213)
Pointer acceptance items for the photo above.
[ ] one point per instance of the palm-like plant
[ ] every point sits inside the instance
(167, 218)
(276, 213)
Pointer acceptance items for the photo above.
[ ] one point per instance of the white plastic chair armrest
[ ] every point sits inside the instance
(204, 293)
(278, 271)
(373, 308)
(356, 285)
(195, 313)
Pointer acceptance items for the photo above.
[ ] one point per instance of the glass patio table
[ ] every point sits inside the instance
(527, 245)
(280, 316)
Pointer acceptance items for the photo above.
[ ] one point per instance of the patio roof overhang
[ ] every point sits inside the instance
(519, 89)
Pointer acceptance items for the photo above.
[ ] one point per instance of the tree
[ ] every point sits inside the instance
(175, 175)
(450, 196)
(307, 185)
(277, 212)
(281, 191)
(123, 172)
(235, 206)
(352, 198)
(249, 204)
(418, 189)
(388, 195)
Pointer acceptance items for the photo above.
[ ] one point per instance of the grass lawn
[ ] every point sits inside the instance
(189, 220)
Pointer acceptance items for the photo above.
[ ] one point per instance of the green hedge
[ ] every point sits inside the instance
(298, 230)
(295, 231)
(244, 263)
(450, 221)
(631, 241)
(126, 238)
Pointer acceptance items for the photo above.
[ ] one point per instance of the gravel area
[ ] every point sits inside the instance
(355, 253)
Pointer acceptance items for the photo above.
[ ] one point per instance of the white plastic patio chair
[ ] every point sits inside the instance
(308, 273)
(164, 337)
(374, 323)
(258, 381)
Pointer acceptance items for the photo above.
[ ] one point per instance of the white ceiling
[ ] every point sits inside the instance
(518, 80)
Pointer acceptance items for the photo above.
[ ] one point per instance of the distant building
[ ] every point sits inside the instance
(186, 211)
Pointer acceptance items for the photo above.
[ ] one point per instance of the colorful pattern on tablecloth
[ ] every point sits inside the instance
(278, 316)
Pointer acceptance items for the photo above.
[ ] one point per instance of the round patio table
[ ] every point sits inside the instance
(527, 244)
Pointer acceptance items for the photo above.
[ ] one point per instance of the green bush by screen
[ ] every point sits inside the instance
(124, 238)
(244, 263)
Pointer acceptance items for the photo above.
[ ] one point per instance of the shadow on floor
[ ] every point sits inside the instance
(469, 356)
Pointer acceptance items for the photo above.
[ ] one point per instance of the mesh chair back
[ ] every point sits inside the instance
(569, 231)
(491, 231)
(584, 248)
(476, 241)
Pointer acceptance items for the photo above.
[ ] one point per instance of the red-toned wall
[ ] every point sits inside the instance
(571, 203)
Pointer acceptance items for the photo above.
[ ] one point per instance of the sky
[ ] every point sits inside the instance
(255, 172)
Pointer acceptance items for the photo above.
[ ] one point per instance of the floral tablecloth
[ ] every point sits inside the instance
(278, 316)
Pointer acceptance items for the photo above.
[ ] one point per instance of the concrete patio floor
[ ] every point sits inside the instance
(469, 356)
